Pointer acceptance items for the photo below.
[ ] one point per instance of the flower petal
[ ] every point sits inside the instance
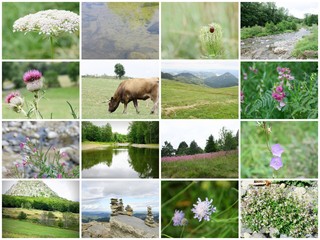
(277, 150)
(276, 163)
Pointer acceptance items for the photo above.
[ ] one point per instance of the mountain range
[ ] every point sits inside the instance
(212, 80)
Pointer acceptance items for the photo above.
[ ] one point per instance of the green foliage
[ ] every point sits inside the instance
(307, 47)
(194, 148)
(91, 132)
(103, 89)
(182, 149)
(119, 70)
(180, 32)
(73, 71)
(300, 156)
(211, 145)
(310, 19)
(22, 229)
(51, 79)
(143, 132)
(33, 46)
(225, 166)
(167, 150)
(22, 215)
(42, 203)
(276, 207)
(301, 93)
(181, 195)
(188, 101)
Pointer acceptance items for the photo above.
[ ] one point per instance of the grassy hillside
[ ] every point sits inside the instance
(54, 103)
(219, 167)
(95, 94)
(22, 229)
(180, 100)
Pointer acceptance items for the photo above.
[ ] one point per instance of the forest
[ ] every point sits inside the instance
(226, 141)
(40, 203)
(138, 132)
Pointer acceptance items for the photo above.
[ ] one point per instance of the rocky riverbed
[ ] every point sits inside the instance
(64, 136)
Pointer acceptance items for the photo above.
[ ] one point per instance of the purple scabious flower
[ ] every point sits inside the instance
(276, 163)
(177, 218)
(277, 150)
(32, 75)
(203, 209)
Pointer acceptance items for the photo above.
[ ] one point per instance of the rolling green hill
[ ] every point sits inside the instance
(181, 100)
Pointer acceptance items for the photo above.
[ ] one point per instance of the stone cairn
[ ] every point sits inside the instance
(117, 208)
(149, 221)
(114, 207)
(129, 210)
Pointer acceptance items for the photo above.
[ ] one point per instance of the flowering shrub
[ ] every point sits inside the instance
(41, 164)
(277, 208)
(272, 90)
(34, 83)
(50, 23)
(211, 40)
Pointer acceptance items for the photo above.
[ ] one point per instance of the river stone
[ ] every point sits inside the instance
(258, 235)
(273, 232)
(280, 50)
(52, 135)
(72, 153)
(5, 143)
(247, 235)
(15, 124)
(123, 226)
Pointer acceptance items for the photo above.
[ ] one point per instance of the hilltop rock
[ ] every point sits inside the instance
(96, 230)
(131, 227)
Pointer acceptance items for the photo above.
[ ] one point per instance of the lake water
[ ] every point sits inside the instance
(120, 162)
(120, 30)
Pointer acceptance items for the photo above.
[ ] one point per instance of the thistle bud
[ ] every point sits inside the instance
(15, 101)
(211, 40)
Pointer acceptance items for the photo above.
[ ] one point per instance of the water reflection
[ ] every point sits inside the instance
(120, 163)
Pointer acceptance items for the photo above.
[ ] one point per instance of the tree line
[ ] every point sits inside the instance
(138, 132)
(40, 203)
(226, 141)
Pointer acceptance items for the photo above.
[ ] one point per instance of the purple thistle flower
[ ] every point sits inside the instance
(277, 150)
(32, 75)
(276, 163)
(177, 218)
(203, 209)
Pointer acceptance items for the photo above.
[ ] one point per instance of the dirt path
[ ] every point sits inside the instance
(279, 46)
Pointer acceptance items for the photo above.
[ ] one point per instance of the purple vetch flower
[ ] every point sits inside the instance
(203, 209)
(177, 218)
(277, 150)
(276, 163)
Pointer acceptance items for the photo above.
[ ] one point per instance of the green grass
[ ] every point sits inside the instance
(32, 45)
(308, 43)
(219, 167)
(95, 94)
(23, 229)
(181, 24)
(181, 101)
(54, 103)
(300, 156)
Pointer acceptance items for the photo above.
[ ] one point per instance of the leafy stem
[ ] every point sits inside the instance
(178, 194)
(52, 47)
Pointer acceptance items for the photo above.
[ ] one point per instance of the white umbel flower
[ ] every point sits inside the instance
(49, 22)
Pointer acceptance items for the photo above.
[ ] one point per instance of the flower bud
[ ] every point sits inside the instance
(15, 101)
(211, 41)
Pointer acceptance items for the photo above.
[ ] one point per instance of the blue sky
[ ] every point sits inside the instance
(138, 194)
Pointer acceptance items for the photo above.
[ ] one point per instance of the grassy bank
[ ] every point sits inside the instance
(97, 91)
(307, 47)
(12, 228)
(92, 145)
(218, 167)
(181, 101)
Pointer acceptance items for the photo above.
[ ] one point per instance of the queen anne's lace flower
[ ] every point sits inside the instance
(49, 22)
(203, 209)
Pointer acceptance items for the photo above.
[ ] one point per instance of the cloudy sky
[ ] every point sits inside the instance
(299, 8)
(200, 65)
(138, 194)
(117, 126)
(176, 131)
(64, 188)
(133, 68)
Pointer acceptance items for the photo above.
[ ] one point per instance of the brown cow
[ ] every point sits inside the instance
(134, 89)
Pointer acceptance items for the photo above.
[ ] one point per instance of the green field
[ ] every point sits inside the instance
(55, 103)
(219, 167)
(181, 101)
(22, 229)
(95, 94)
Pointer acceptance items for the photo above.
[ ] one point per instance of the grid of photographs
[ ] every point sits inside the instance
(146, 119)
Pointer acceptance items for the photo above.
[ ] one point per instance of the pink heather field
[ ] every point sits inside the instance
(223, 164)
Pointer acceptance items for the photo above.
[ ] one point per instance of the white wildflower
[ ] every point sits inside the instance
(49, 22)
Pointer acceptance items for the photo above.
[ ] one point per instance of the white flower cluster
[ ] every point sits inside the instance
(49, 22)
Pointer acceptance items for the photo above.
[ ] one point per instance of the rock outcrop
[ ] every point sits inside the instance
(123, 226)
(96, 230)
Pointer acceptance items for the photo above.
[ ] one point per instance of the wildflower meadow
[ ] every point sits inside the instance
(279, 149)
(279, 90)
(40, 30)
(206, 209)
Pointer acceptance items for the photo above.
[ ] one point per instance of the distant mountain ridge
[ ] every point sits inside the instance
(214, 81)
(31, 189)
